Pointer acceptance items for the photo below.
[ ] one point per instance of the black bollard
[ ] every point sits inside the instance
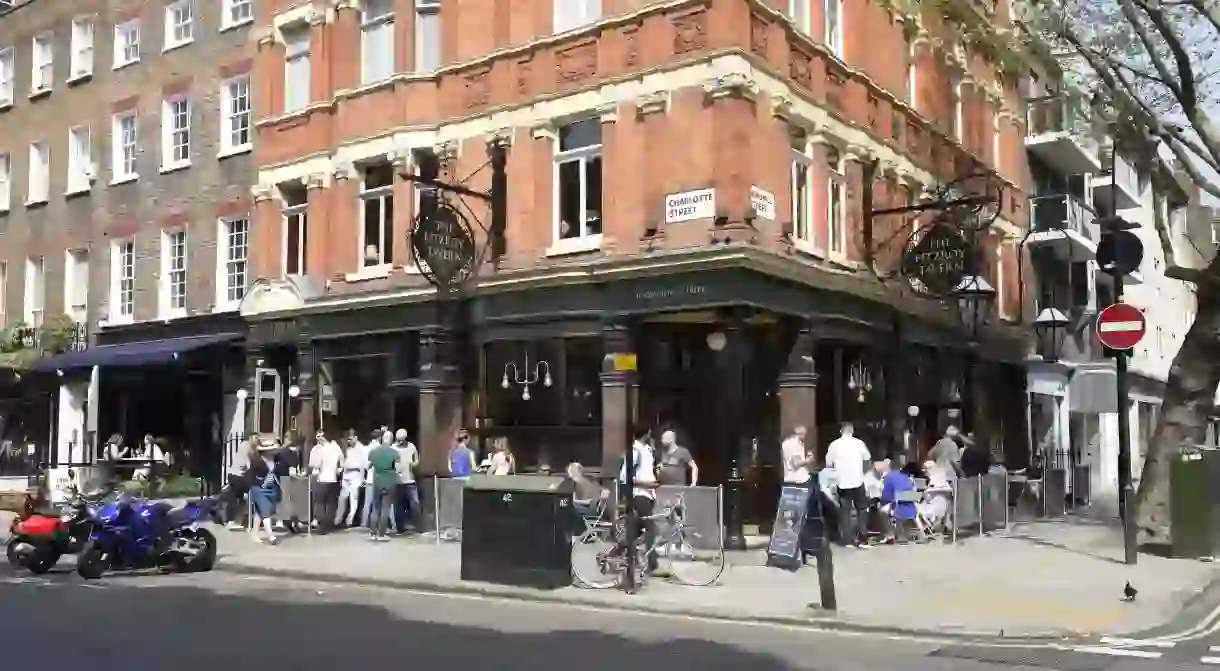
(826, 575)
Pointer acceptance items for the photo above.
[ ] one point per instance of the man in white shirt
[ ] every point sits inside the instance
(355, 463)
(325, 465)
(643, 492)
(850, 459)
(407, 508)
(796, 458)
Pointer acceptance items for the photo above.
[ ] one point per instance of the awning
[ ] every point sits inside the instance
(133, 353)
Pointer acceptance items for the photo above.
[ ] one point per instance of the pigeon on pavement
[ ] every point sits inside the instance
(1129, 592)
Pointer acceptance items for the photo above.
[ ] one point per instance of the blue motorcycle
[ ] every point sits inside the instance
(131, 534)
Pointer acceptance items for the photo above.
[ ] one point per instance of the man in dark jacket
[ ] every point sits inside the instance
(976, 458)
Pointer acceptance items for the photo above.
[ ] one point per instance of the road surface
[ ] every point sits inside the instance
(224, 622)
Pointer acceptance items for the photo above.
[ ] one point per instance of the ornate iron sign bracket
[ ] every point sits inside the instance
(935, 256)
(445, 245)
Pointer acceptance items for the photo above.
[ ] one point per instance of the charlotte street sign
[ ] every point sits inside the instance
(1121, 326)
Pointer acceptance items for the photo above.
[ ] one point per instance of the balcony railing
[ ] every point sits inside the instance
(1117, 174)
(1063, 212)
(1056, 114)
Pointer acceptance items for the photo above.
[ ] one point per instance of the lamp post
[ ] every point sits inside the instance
(974, 296)
(1050, 327)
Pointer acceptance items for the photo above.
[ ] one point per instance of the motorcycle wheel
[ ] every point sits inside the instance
(10, 551)
(206, 559)
(43, 562)
(92, 563)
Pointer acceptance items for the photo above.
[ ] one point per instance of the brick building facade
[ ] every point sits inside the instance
(125, 136)
(684, 182)
(138, 151)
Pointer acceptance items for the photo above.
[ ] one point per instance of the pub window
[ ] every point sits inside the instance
(362, 395)
(835, 201)
(377, 214)
(556, 424)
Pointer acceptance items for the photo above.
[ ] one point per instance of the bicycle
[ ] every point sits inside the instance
(599, 560)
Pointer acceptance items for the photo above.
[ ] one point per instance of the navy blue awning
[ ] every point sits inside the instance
(133, 353)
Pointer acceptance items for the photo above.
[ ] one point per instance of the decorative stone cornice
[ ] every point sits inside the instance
(446, 151)
(608, 113)
(344, 171)
(857, 154)
(399, 157)
(889, 170)
(316, 180)
(733, 85)
(260, 193)
(545, 132)
(652, 103)
(502, 135)
(823, 137)
(909, 180)
(781, 106)
(339, 5)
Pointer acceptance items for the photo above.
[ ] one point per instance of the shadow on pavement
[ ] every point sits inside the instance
(124, 623)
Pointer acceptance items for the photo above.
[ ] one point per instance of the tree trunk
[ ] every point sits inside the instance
(1189, 394)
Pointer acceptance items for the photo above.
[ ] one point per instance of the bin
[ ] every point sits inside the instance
(1194, 475)
(517, 530)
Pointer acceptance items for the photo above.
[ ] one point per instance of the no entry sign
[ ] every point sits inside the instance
(1121, 326)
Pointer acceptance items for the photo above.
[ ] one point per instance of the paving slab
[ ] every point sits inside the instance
(1038, 580)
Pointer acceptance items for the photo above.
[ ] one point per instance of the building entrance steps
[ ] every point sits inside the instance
(1040, 580)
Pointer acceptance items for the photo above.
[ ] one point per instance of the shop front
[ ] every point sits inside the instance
(734, 348)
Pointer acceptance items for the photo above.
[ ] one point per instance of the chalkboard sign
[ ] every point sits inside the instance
(784, 550)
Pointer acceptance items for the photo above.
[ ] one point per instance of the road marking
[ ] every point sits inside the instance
(1136, 642)
(1120, 327)
(1116, 652)
(1209, 660)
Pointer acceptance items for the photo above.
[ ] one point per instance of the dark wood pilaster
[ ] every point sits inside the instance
(798, 384)
(617, 411)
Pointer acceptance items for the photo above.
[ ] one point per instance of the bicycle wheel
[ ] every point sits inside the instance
(692, 561)
(594, 563)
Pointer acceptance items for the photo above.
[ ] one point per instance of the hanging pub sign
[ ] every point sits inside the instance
(937, 260)
(443, 246)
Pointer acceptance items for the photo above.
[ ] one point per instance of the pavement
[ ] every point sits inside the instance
(1040, 581)
(1047, 581)
(207, 621)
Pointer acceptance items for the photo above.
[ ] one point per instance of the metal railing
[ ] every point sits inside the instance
(1063, 212)
(441, 500)
(980, 505)
(1056, 114)
(1124, 173)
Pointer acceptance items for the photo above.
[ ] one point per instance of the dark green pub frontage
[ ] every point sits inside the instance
(735, 347)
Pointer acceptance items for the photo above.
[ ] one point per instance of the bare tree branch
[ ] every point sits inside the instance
(1183, 89)
(1209, 11)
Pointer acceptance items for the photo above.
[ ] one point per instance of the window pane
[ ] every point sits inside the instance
(387, 231)
(582, 381)
(378, 51)
(372, 232)
(427, 41)
(593, 196)
(569, 199)
(584, 133)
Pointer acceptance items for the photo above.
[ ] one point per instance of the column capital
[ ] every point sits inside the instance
(652, 103)
(781, 107)
(732, 85)
(346, 170)
(260, 193)
(502, 135)
(316, 180)
(608, 113)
